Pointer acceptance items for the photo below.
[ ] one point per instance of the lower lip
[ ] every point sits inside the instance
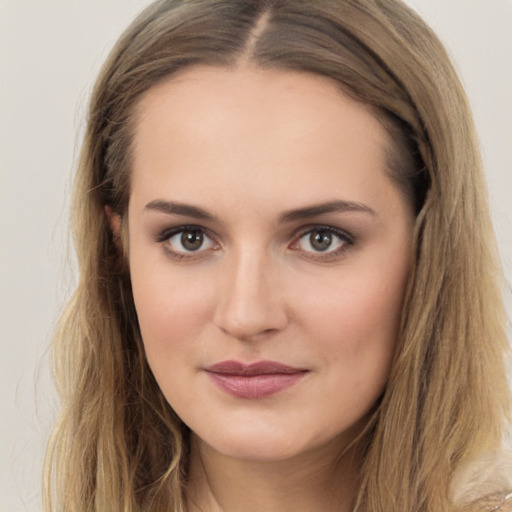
(255, 386)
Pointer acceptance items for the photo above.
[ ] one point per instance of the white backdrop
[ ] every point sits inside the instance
(50, 51)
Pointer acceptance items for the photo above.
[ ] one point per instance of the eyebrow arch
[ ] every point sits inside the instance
(324, 208)
(187, 210)
(173, 208)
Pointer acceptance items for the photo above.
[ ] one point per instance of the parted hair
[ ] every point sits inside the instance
(118, 446)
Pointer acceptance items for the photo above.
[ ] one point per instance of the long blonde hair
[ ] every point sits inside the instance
(118, 445)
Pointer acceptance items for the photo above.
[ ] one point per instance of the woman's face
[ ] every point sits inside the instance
(269, 252)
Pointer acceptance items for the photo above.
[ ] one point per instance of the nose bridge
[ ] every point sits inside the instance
(251, 300)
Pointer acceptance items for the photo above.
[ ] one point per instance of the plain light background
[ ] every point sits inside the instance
(50, 52)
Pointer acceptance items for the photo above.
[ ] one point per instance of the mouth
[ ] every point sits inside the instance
(254, 381)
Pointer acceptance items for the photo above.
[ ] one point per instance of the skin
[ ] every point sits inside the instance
(248, 146)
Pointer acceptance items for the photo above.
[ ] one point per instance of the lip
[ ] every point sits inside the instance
(256, 380)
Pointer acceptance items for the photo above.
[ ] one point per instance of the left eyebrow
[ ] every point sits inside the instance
(325, 208)
(174, 208)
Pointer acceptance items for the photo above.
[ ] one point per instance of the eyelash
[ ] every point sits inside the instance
(344, 238)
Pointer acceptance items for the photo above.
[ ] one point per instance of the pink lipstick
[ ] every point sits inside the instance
(256, 380)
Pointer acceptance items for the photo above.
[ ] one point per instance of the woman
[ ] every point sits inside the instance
(289, 294)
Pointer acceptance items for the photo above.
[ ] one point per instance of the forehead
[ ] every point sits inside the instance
(213, 127)
(204, 91)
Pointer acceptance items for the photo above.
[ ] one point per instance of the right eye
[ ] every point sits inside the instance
(186, 240)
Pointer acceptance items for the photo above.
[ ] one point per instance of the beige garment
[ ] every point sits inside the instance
(487, 482)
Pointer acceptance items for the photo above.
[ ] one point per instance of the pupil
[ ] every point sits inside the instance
(192, 240)
(320, 240)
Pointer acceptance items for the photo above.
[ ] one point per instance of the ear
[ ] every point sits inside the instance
(114, 219)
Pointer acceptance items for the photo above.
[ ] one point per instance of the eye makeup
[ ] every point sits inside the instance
(316, 242)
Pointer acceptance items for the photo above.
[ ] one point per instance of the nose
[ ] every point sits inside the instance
(251, 302)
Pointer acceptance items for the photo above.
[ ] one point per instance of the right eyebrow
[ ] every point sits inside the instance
(174, 208)
(325, 208)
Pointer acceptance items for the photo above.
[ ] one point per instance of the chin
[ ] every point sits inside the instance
(267, 444)
(258, 450)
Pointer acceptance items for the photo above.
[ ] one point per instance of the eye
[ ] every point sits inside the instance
(323, 240)
(184, 240)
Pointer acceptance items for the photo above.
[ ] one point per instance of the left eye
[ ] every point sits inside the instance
(189, 240)
(322, 240)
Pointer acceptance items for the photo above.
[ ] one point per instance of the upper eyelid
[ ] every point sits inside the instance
(338, 231)
(166, 233)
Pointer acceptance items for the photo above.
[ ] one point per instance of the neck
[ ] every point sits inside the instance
(320, 480)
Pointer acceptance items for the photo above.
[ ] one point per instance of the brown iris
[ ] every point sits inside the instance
(192, 240)
(320, 240)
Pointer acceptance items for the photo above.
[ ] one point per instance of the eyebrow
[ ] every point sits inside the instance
(323, 209)
(187, 210)
(173, 208)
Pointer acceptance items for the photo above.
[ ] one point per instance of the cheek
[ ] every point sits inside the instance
(171, 309)
(374, 306)
(356, 302)
(353, 326)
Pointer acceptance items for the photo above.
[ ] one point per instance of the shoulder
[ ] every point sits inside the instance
(506, 505)
(485, 485)
(496, 502)
(500, 502)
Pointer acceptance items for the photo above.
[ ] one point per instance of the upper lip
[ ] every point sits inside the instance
(257, 368)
